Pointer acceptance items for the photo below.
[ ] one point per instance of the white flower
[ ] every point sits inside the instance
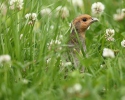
(118, 17)
(62, 11)
(97, 8)
(32, 17)
(75, 88)
(78, 3)
(108, 53)
(109, 34)
(25, 81)
(52, 27)
(110, 39)
(123, 43)
(27, 16)
(120, 14)
(46, 11)
(16, 4)
(66, 64)
(123, 10)
(5, 58)
(54, 43)
(101, 66)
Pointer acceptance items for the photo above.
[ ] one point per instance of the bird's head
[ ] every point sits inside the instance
(82, 22)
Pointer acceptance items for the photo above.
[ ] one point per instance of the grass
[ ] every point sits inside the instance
(30, 77)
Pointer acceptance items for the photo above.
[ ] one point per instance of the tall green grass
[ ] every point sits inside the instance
(30, 77)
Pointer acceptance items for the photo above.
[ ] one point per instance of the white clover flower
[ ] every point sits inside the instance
(3, 9)
(62, 11)
(25, 81)
(52, 27)
(108, 53)
(123, 43)
(78, 3)
(97, 8)
(46, 11)
(101, 66)
(110, 39)
(120, 14)
(27, 16)
(16, 4)
(5, 58)
(32, 17)
(123, 10)
(75, 88)
(66, 64)
(118, 17)
(54, 43)
(109, 34)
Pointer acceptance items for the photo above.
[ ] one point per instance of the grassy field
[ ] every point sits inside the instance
(36, 67)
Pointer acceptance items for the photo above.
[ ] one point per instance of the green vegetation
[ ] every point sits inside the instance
(38, 71)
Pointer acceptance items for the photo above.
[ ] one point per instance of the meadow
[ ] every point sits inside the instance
(33, 51)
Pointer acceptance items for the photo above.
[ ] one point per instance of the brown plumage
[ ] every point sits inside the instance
(78, 28)
(77, 36)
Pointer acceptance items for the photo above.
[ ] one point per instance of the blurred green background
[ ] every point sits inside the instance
(29, 77)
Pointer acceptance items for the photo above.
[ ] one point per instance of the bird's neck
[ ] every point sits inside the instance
(82, 34)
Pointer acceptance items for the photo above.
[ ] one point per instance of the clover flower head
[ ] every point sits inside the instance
(77, 3)
(109, 35)
(66, 64)
(32, 17)
(108, 53)
(5, 58)
(16, 4)
(54, 44)
(123, 10)
(97, 8)
(75, 88)
(120, 14)
(123, 43)
(62, 11)
(46, 11)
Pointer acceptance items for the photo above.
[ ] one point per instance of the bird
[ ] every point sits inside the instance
(76, 41)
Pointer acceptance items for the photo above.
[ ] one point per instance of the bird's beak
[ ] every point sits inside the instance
(94, 20)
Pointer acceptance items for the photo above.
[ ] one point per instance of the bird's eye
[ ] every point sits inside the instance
(84, 19)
